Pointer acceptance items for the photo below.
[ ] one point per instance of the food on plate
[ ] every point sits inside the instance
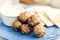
(30, 21)
(17, 25)
(25, 29)
(34, 20)
(39, 30)
(44, 17)
(24, 16)
(54, 15)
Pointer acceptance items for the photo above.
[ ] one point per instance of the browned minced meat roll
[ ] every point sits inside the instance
(17, 25)
(39, 30)
(34, 20)
(24, 16)
(25, 29)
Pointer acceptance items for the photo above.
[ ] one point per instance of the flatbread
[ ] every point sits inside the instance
(54, 15)
(45, 20)
(43, 16)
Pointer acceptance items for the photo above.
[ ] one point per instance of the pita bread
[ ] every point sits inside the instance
(54, 15)
(45, 19)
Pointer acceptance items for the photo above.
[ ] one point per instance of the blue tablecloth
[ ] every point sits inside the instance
(7, 32)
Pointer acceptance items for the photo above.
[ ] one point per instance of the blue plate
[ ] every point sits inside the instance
(52, 32)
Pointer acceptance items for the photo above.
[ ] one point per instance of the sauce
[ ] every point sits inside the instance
(11, 10)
